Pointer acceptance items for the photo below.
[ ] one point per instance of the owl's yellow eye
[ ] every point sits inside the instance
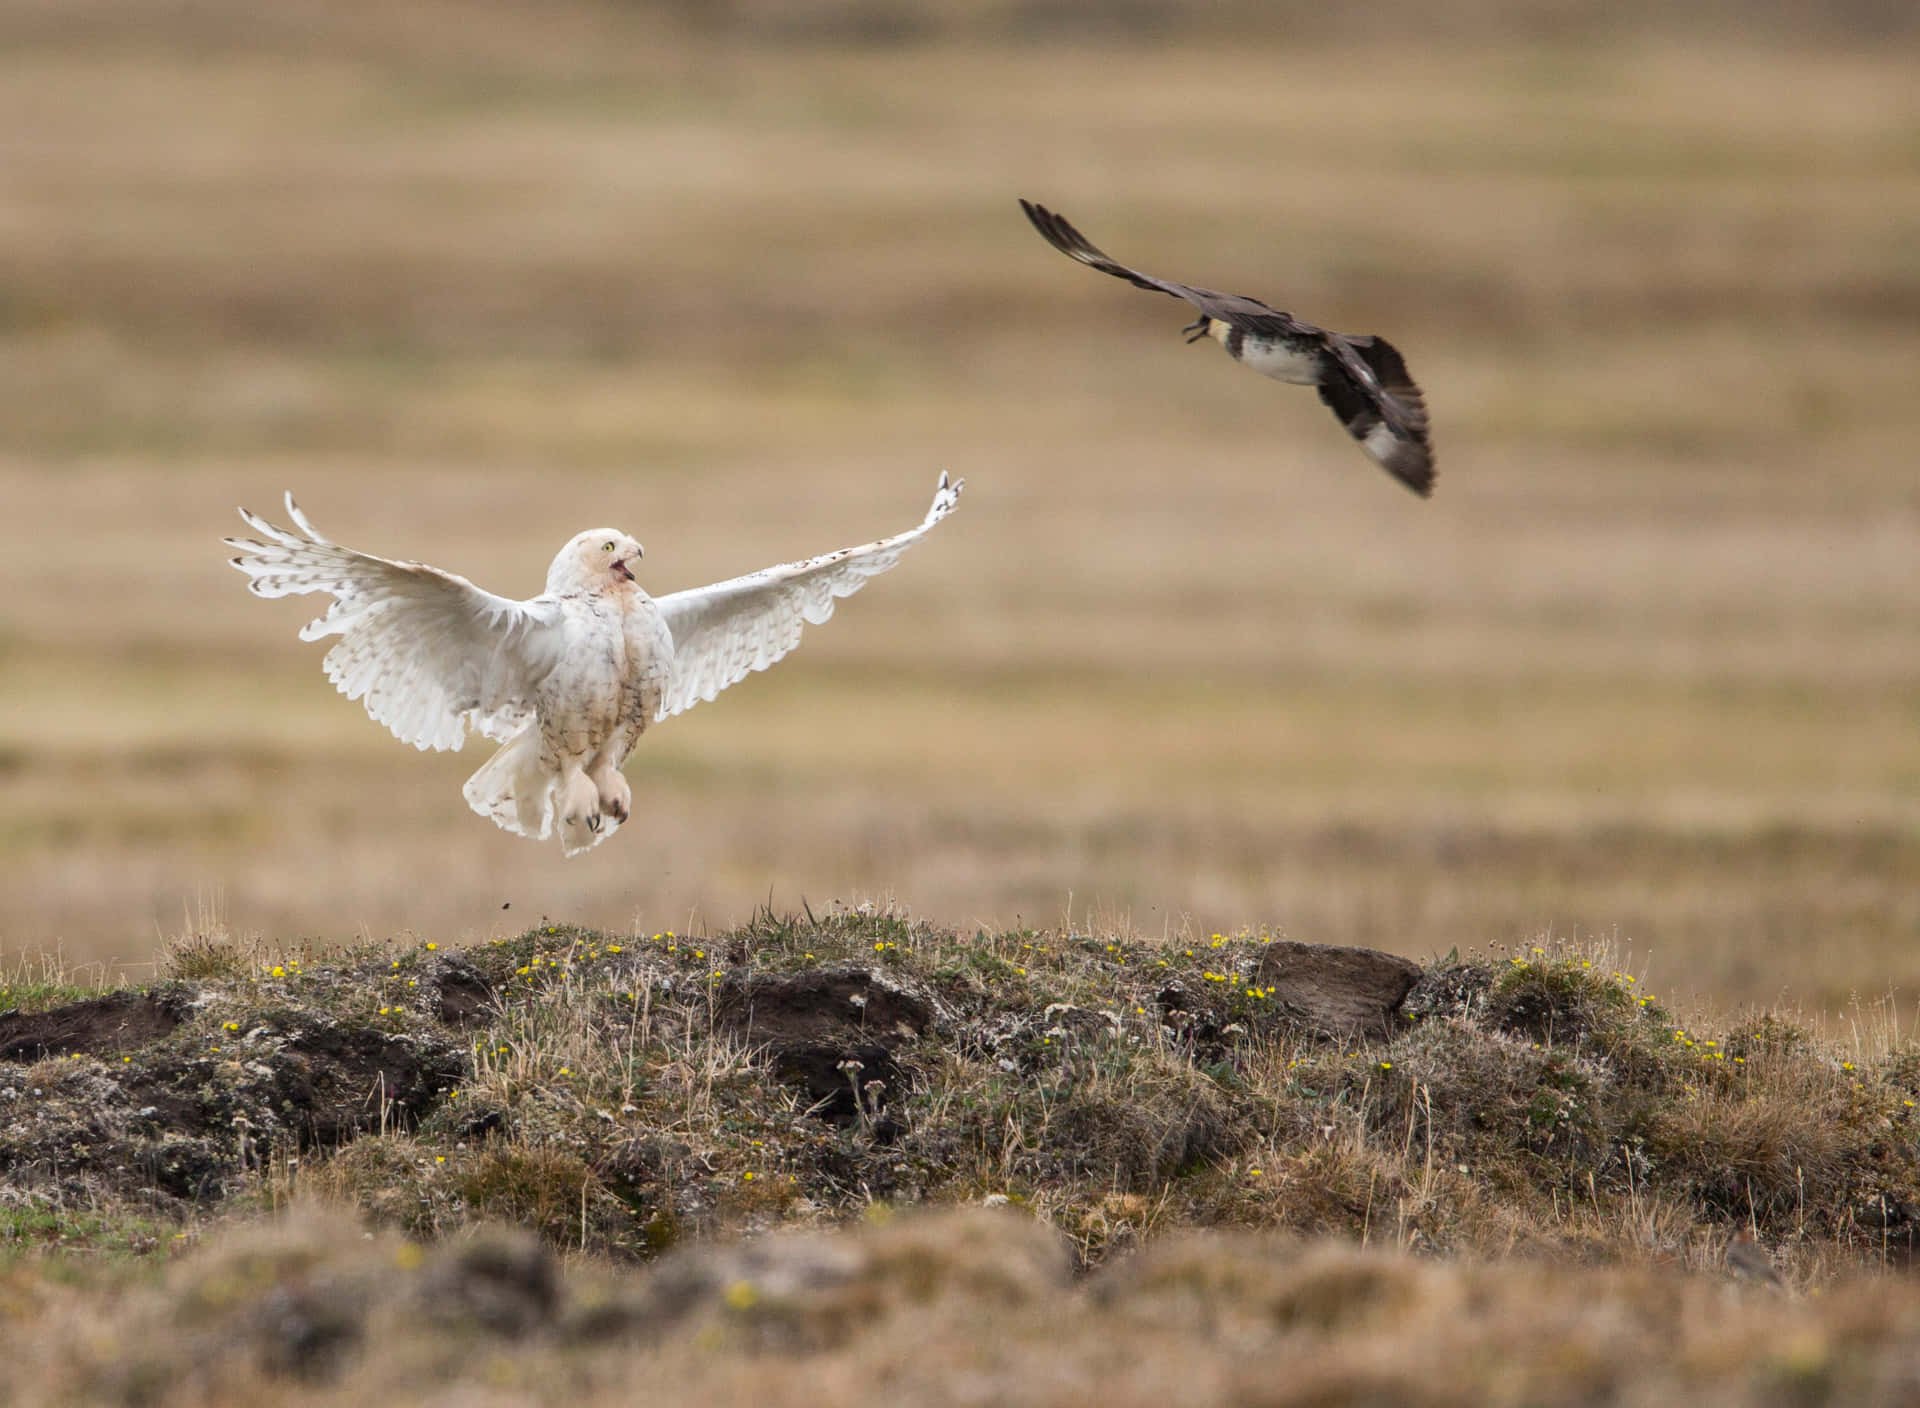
(606, 547)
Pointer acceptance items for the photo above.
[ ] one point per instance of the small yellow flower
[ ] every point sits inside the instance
(741, 1295)
(432, 947)
(746, 1178)
(613, 948)
(278, 971)
(442, 1158)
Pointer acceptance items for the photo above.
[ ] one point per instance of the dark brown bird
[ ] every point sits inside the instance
(1361, 377)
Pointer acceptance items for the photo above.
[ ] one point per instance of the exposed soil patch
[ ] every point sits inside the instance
(462, 995)
(180, 1102)
(831, 1032)
(837, 1003)
(119, 1021)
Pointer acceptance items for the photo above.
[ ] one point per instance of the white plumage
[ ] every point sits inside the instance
(566, 681)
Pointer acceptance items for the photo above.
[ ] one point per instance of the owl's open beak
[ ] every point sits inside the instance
(620, 569)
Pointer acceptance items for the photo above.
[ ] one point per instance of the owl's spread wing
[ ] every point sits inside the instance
(724, 632)
(430, 654)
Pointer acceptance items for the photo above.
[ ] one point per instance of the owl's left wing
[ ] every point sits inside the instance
(724, 632)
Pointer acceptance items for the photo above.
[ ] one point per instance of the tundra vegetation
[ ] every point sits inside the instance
(1030, 1162)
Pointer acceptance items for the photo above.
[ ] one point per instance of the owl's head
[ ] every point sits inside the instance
(598, 560)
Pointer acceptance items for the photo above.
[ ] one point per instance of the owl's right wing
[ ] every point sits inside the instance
(429, 653)
(724, 632)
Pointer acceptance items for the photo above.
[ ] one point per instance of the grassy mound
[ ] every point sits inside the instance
(621, 1094)
(635, 1106)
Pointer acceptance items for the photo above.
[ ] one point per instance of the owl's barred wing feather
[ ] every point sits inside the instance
(430, 654)
(725, 632)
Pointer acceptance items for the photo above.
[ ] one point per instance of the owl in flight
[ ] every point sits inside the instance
(566, 681)
(1361, 378)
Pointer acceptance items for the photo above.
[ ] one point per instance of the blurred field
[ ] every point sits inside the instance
(469, 280)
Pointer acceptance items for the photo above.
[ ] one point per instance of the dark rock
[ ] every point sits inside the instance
(1339, 992)
(119, 1021)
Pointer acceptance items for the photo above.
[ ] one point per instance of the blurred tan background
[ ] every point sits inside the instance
(742, 279)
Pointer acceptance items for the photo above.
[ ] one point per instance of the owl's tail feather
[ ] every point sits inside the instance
(512, 790)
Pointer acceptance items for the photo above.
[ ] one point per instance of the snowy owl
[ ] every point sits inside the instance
(567, 681)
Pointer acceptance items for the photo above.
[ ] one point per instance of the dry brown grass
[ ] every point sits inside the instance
(953, 1309)
(1645, 667)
